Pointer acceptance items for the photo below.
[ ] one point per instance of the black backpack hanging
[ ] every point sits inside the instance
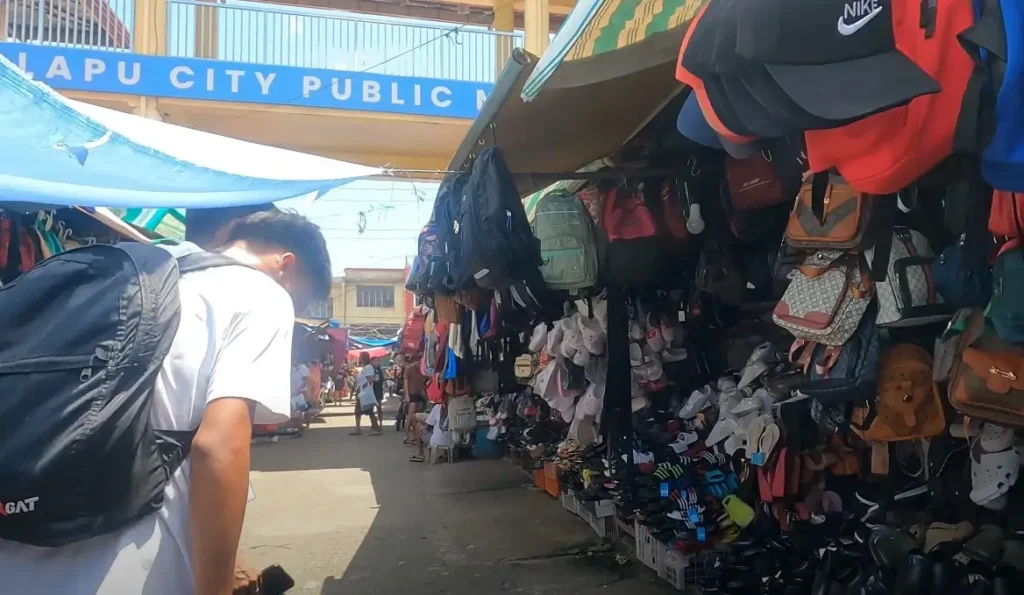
(498, 245)
(84, 337)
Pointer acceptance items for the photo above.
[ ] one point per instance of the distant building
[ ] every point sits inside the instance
(370, 302)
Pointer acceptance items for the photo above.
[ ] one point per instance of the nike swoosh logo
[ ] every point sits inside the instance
(850, 29)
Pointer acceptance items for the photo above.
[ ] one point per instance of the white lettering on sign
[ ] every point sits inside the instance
(23, 64)
(234, 75)
(114, 73)
(435, 96)
(338, 94)
(59, 67)
(310, 83)
(176, 81)
(124, 78)
(395, 99)
(265, 81)
(94, 67)
(371, 91)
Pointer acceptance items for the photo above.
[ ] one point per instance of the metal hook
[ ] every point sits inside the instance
(691, 162)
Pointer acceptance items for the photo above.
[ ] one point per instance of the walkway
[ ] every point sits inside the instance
(348, 515)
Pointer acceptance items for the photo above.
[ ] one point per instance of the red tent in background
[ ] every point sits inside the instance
(380, 352)
(339, 344)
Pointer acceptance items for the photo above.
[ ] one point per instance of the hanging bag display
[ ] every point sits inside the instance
(1006, 309)
(987, 376)
(908, 405)
(829, 213)
(826, 299)
(629, 228)
(567, 243)
(908, 296)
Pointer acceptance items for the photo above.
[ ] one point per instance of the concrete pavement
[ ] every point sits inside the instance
(350, 515)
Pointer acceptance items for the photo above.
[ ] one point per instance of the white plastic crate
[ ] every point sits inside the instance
(570, 503)
(650, 551)
(601, 525)
(675, 568)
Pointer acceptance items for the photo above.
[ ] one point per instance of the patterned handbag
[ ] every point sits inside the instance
(826, 299)
(908, 295)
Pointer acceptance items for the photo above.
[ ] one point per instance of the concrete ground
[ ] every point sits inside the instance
(350, 515)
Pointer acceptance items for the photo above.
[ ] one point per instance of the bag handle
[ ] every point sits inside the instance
(819, 187)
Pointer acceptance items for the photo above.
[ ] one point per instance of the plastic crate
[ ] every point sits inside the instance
(601, 525)
(650, 551)
(552, 486)
(676, 565)
(570, 503)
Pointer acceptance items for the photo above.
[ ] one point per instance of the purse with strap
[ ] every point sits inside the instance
(908, 296)
(908, 406)
(826, 299)
(987, 377)
(829, 213)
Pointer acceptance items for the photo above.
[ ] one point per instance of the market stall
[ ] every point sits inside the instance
(764, 324)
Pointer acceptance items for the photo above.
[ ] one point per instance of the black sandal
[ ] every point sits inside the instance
(416, 459)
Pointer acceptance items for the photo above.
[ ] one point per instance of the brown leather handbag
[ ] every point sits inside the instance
(829, 213)
(987, 378)
(908, 406)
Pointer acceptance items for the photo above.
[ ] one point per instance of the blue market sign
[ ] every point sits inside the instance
(214, 80)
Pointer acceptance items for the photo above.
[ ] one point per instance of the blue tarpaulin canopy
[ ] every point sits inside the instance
(57, 151)
(368, 342)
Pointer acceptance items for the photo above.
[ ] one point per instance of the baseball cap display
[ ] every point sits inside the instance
(837, 59)
(887, 152)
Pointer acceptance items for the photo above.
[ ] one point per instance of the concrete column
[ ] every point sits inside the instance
(149, 31)
(537, 23)
(4, 7)
(505, 22)
(148, 107)
(207, 17)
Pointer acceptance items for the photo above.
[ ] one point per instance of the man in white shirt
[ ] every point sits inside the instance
(228, 368)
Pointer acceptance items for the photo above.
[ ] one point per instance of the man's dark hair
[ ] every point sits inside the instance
(296, 234)
(203, 225)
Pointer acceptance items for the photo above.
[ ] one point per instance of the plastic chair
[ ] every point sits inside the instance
(437, 450)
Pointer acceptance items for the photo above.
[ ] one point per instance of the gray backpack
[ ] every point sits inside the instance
(567, 242)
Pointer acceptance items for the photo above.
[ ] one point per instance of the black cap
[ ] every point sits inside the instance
(837, 59)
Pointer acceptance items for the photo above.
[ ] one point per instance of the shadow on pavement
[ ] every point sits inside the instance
(350, 515)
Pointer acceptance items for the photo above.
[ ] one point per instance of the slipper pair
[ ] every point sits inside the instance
(762, 436)
(995, 466)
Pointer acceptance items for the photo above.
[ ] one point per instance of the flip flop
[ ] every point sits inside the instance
(754, 432)
(939, 533)
(995, 467)
(416, 459)
(739, 511)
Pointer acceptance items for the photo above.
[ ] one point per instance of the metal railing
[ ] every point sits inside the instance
(316, 38)
(104, 24)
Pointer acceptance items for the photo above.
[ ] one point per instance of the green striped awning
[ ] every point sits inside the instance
(596, 27)
(168, 223)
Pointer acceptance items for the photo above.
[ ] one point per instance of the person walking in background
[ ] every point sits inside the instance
(366, 399)
(414, 384)
(378, 386)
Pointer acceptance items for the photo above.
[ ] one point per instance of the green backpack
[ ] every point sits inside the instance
(567, 242)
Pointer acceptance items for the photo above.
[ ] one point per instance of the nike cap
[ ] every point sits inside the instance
(837, 59)
(743, 94)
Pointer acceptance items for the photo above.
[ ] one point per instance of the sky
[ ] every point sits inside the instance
(395, 211)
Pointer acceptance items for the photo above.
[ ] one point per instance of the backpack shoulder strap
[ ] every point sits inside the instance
(199, 261)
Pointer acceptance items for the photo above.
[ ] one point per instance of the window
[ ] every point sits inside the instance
(324, 309)
(375, 296)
